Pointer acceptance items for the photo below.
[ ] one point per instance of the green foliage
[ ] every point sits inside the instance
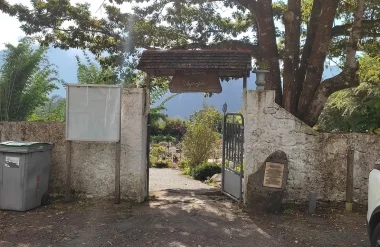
(90, 72)
(183, 25)
(184, 163)
(162, 138)
(158, 128)
(158, 157)
(117, 37)
(26, 79)
(355, 109)
(199, 142)
(52, 111)
(163, 164)
(208, 116)
(175, 127)
(204, 171)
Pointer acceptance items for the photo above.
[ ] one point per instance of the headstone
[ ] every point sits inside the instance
(265, 188)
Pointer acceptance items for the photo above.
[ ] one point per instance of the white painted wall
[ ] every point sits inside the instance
(317, 161)
(93, 163)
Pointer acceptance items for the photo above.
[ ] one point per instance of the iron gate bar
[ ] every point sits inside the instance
(233, 152)
(147, 154)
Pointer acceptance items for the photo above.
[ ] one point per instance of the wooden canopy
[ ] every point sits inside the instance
(226, 63)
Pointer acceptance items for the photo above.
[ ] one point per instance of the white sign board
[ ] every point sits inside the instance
(93, 112)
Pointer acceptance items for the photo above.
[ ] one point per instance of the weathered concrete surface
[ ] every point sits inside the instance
(317, 161)
(93, 163)
(134, 144)
(41, 132)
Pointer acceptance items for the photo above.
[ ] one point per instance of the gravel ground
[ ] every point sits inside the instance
(172, 179)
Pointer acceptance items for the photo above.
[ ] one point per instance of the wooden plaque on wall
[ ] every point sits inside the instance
(274, 173)
(195, 81)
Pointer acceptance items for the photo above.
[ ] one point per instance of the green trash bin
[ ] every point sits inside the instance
(24, 174)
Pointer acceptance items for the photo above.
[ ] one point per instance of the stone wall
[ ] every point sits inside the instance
(317, 161)
(93, 163)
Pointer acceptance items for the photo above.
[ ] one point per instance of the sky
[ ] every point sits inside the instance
(10, 26)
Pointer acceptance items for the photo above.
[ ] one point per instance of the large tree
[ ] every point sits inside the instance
(307, 37)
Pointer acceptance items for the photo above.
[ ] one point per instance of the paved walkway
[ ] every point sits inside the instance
(172, 179)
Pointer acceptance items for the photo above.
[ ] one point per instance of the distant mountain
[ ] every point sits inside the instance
(182, 105)
(185, 104)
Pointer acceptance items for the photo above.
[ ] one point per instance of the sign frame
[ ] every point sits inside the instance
(93, 86)
(193, 81)
(279, 168)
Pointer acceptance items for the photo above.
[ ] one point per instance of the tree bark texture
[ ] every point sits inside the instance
(347, 78)
(306, 51)
(318, 56)
(268, 51)
(292, 21)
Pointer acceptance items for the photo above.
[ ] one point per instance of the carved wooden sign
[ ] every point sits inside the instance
(274, 173)
(195, 81)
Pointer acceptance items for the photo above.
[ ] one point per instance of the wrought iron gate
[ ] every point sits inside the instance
(232, 159)
(147, 154)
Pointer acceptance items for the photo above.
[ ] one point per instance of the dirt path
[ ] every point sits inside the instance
(161, 179)
(175, 218)
(196, 215)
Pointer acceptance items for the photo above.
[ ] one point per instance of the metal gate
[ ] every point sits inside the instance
(147, 154)
(232, 159)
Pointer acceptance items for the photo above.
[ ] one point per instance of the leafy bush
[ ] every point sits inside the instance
(158, 151)
(175, 128)
(184, 163)
(355, 109)
(204, 171)
(209, 116)
(157, 154)
(162, 164)
(199, 143)
(162, 138)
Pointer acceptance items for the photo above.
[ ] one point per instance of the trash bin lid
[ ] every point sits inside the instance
(24, 147)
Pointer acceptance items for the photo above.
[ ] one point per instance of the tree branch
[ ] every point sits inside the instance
(306, 52)
(318, 55)
(249, 4)
(368, 27)
(292, 21)
(347, 78)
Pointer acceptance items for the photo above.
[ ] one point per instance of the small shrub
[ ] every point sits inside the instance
(162, 164)
(199, 143)
(187, 170)
(205, 171)
(162, 138)
(184, 163)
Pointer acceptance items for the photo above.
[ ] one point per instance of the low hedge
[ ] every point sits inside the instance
(204, 171)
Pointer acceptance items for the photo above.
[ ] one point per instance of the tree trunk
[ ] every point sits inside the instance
(347, 78)
(306, 51)
(268, 51)
(292, 21)
(318, 56)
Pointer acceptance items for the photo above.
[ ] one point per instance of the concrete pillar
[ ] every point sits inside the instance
(133, 144)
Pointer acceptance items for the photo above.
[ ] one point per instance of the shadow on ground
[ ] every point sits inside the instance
(171, 218)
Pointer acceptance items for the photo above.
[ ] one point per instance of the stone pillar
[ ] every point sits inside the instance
(133, 144)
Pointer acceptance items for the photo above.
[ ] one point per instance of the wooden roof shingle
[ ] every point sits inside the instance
(227, 62)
